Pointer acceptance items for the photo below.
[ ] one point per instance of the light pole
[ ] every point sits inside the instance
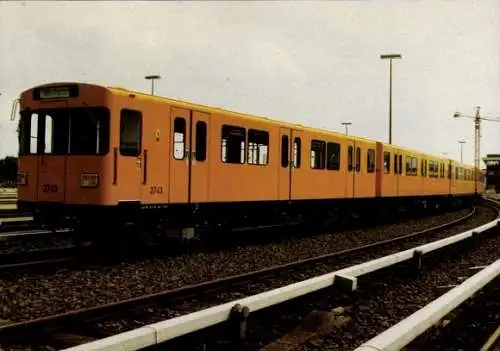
(346, 124)
(152, 78)
(390, 57)
(461, 145)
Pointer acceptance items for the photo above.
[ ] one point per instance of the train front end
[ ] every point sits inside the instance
(64, 138)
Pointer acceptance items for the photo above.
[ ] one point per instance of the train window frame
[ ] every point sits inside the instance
(370, 161)
(201, 141)
(333, 149)
(178, 131)
(297, 152)
(350, 158)
(257, 147)
(226, 130)
(318, 154)
(128, 151)
(285, 142)
(387, 162)
(358, 159)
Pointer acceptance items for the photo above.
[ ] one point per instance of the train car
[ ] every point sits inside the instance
(117, 158)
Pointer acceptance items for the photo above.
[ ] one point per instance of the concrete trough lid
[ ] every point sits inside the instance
(402, 333)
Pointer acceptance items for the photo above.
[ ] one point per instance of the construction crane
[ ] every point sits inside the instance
(477, 137)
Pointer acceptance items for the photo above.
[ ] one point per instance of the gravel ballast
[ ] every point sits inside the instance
(35, 295)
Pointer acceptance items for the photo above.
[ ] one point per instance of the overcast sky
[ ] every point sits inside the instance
(316, 63)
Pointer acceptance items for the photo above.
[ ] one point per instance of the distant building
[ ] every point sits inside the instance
(492, 162)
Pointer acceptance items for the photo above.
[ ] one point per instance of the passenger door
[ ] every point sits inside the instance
(379, 168)
(179, 158)
(349, 169)
(130, 174)
(299, 181)
(200, 158)
(285, 166)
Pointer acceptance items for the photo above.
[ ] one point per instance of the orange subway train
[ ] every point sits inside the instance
(93, 156)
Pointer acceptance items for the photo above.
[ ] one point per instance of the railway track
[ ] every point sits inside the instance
(71, 328)
(34, 249)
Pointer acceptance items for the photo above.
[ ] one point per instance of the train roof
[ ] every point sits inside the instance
(215, 110)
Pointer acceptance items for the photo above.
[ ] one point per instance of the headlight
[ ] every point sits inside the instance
(89, 180)
(22, 178)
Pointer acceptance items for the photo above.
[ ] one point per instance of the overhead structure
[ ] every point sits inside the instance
(477, 136)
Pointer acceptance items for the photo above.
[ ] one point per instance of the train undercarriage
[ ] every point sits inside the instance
(133, 224)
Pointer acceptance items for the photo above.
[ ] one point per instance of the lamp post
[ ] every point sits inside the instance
(461, 145)
(390, 57)
(152, 78)
(346, 125)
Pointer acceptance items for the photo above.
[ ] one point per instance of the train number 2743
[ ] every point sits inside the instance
(156, 190)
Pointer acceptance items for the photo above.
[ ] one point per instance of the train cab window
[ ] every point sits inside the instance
(370, 160)
(296, 152)
(33, 138)
(233, 144)
(284, 151)
(358, 159)
(387, 162)
(333, 156)
(258, 147)
(318, 153)
(350, 158)
(201, 141)
(64, 131)
(179, 138)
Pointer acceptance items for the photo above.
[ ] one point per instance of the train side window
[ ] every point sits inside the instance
(396, 164)
(179, 138)
(370, 161)
(318, 152)
(233, 144)
(414, 166)
(350, 157)
(358, 159)
(284, 151)
(296, 152)
(400, 164)
(387, 162)
(130, 132)
(201, 141)
(333, 156)
(408, 165)
(258, 146)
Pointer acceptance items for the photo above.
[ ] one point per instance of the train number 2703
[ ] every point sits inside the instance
(156, 190)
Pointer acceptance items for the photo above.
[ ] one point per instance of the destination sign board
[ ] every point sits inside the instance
(55, 92)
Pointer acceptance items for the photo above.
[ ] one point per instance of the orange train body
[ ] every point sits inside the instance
(84, 146)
